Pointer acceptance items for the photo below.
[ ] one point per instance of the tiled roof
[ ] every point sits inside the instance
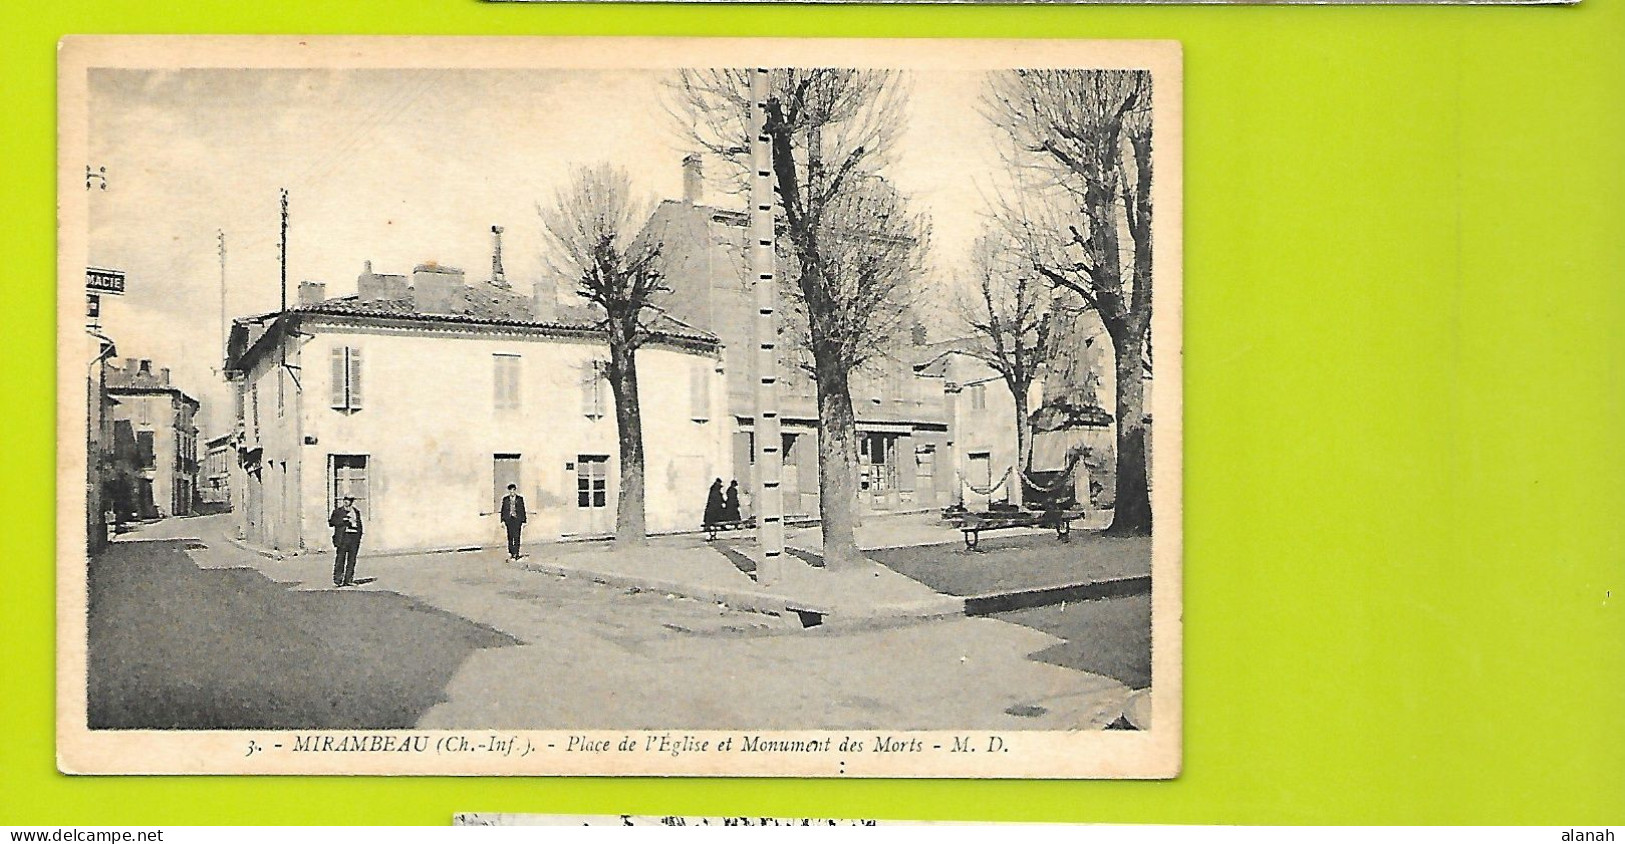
(490, 306)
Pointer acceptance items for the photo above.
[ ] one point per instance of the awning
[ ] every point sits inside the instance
(885, 428)
(1062, 416)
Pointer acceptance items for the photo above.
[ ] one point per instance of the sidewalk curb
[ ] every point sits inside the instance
(755, 600)
(252, 549)
(1022, 599)
(882, 615)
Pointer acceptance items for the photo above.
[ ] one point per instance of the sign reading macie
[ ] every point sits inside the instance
(109, 282)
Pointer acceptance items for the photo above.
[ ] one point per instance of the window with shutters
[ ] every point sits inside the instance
(254, 407)
(345, 378)
(593, 400)
(505, 382)
(281, 392)
(699, 391)
(978, 396)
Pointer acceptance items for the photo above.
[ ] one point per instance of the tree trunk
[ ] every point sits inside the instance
(837, 465)
(1024, 448)
(630, 526)
(1133, 513)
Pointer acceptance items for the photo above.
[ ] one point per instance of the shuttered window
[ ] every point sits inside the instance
(592, 389)
(345, 377)
(505, 381)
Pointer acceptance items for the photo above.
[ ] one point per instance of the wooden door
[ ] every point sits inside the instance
(593, 510)
(504, 470)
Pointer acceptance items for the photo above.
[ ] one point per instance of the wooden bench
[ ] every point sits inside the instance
(973, 524)
(713, 528)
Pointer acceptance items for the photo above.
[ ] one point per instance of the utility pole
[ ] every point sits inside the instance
(282, 250)
(225, 335)
(282, 345)
(769, 496)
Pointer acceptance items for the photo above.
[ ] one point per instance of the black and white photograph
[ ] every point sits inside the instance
(561, 406)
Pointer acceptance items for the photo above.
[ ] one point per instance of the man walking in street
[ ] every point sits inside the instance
(346, 524)
(513, 518)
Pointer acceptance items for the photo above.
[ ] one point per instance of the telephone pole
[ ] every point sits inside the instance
(282, 250)
(282, 345)
(769, 496)
(225, 330)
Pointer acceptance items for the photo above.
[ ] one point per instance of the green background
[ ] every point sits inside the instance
(1404, 421)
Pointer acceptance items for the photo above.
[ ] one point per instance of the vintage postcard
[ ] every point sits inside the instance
(587, 406)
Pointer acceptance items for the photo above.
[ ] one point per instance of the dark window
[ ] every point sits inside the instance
(144, 450)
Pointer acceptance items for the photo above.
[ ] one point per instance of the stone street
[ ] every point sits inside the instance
(191, 631)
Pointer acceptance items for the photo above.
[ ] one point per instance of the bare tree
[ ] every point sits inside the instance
(591, 232)
(1008, 317)
(1083, 142)
(848, 241)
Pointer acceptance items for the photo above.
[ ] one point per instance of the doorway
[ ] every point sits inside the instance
(347, 478)
(978, 480)
(505, 469)
(593, 513)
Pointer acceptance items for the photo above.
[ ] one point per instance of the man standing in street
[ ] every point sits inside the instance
(346, 524)
(513, 518)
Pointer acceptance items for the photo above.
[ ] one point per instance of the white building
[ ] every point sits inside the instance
(425, 398)
(214, 482)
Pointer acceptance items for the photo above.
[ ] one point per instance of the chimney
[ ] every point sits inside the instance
(163, 377)
(144, 367)
(312, 292)
(545, 302)
(437, 289)
(693, 179)
(371, 286)
(129, 366)
(497, 277)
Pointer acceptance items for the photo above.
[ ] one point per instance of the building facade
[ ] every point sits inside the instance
(99, 456)
(901, 414)
(214, 485)
(1072, 451)
(154, 443)
(424, 397)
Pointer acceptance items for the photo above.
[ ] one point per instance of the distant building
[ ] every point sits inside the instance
(424, 397)
(99, 470)
(214, 490)
(154, 439)
(1072, 444)
(980, 453)
(901, 417)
